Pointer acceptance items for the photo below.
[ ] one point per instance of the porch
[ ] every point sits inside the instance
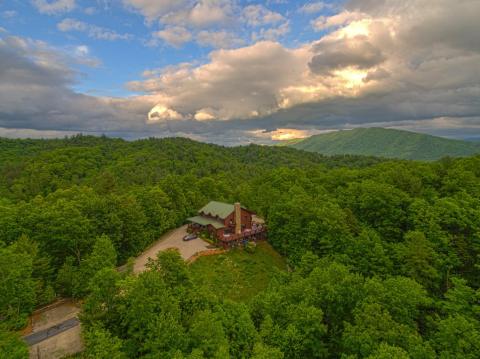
(255, 234)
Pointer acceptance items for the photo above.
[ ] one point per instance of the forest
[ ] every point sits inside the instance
(386, 142)
(383, 255)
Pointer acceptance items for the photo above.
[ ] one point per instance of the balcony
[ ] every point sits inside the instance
(247, 234)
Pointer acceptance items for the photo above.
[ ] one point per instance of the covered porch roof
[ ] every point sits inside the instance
(204, 221)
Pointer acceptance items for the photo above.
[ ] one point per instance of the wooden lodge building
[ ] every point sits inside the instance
(229, 224)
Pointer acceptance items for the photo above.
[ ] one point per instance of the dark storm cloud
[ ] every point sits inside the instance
(18, 69)
(35, 94)
(356, 52)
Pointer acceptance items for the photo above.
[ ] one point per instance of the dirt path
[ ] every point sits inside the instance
(172, 239)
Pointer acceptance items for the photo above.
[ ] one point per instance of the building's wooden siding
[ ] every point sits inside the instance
(246, 217)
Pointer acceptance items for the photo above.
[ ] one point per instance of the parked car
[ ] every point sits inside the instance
(189, 237)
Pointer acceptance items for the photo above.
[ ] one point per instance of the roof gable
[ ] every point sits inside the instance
(220, 209)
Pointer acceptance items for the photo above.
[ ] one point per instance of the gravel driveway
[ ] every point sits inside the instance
(172, 239)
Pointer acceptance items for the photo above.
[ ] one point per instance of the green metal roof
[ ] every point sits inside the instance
(204, 221)
(220, 209)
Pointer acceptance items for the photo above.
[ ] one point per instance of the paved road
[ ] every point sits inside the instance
(42, 335)
(172, 239)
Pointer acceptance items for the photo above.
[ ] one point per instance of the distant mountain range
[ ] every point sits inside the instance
(385, 143)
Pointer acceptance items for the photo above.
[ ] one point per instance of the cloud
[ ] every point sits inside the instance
(356, 52)
(29, 133)
(257, 15)
(343, 18)
(241, 83)
(272, 33)
(82, 56)
(155, 9)
(54, 6)
(212, 23)
(93, 31)
(208, 12)
(282, 134)
(381, 63)
(204, 114)
(218, 39)
(368, 69)
(273, 25)
(174, 35)
(9, 14)
(30, 61)
(161, 113)
(313, 7)
(428, 22)
(36, 94)
(208, 22)
(90, 10)
(185, 12)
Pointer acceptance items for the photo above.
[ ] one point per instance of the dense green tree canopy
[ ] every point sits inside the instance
(383, 255)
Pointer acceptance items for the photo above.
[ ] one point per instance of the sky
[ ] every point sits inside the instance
(235, 72)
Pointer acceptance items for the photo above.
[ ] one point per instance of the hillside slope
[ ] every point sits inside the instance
(386, 143)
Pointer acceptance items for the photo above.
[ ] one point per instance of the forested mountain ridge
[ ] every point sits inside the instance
(83, 159)
(386, 143)
(384, 254)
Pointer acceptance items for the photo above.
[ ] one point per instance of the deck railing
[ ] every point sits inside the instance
(245, 234)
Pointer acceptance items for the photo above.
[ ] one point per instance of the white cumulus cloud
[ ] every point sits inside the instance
(93, 31)
(219, 39)
(162, 113)
(257, 15)
(314, 7)
(174, 35)
(54, 6)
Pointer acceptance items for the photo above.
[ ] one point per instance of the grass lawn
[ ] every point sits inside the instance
(237, 274)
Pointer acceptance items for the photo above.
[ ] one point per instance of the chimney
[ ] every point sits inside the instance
(238, 218)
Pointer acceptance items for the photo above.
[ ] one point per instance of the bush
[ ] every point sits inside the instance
(250, 247)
